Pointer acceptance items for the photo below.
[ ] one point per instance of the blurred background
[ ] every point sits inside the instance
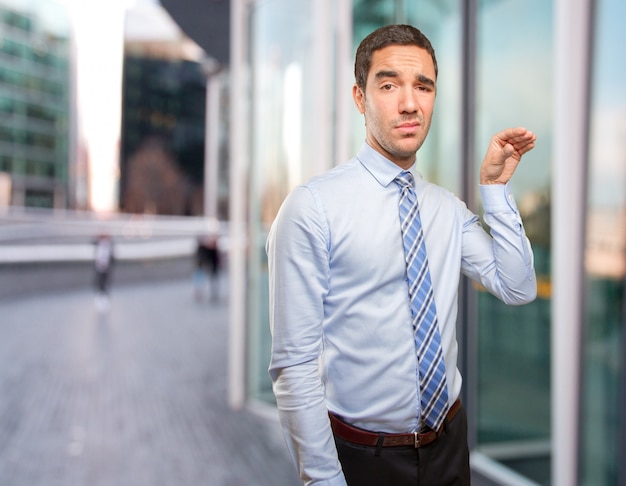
(176, 128)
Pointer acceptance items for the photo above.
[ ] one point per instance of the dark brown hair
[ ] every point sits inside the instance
(390, 35)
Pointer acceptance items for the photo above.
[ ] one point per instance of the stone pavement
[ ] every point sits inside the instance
(134, 397)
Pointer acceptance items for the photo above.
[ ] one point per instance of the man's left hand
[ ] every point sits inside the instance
(504, 153)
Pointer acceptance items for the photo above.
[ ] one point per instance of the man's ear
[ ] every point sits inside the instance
(359, 98)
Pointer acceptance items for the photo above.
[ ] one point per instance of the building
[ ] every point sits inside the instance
(544, 384)
(164, 119)
(163, 128)
(35, 104)
(84, 94)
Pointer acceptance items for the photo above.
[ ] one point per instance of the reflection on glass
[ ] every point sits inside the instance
(605, 255)
(514, 80)
(282, 147)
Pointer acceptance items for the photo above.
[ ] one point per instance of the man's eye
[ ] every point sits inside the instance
(387, 87)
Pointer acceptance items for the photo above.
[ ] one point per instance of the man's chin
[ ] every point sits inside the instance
(407, 150)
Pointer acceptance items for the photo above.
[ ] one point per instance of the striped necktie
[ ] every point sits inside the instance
(432, 372)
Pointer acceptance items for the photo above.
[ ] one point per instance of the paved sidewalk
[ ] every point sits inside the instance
(131, 398)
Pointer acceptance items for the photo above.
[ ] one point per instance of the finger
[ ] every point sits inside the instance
(526, 148)
(512, 134)
(508, 150)
(520, 142)
(522, 139)
(518, 152)
(524, 143)
(515, 135)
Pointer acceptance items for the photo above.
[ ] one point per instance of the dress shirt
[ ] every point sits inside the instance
(342, 338)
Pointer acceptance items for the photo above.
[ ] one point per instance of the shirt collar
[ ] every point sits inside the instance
(381, 168)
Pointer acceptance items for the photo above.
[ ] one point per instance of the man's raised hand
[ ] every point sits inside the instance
(504, 153)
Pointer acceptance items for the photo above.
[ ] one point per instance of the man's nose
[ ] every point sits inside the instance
(408, 102)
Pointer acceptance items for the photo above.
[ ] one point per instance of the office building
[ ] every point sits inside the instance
(163, 127)
(35, 92)
(162, 155)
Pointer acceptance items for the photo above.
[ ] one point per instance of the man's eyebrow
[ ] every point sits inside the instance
(386, 74)
(425, 80)
(422, 78)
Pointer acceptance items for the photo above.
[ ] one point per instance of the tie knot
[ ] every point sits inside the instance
(405, 180)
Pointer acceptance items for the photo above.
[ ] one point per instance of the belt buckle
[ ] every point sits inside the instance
(416, 440)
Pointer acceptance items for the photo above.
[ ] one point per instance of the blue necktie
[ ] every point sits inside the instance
(432, 371)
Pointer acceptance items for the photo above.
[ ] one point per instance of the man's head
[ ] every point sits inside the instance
(400, 35)
(396, 75)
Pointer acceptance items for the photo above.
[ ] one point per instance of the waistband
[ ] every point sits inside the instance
(364, 437)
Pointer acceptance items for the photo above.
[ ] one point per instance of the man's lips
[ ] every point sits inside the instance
(408, 127)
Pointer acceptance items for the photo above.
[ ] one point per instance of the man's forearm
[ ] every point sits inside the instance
(306, 427)
(512, 251)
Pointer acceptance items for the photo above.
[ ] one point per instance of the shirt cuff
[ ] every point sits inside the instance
(338, 480)
(497, 198)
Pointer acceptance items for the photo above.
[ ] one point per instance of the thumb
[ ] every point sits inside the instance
(508, 150)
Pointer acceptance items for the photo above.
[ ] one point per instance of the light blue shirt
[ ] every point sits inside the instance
(342, 338)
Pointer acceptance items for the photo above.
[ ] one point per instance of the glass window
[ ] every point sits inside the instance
(605, 257)
(6, 164)
(514, 79)
(440, 159)
(38, 199)
(284, 134)
(17, 20)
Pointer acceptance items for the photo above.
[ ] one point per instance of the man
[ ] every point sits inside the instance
(364, 351)
(103, 266)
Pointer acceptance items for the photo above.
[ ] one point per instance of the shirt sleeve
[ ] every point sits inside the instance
(298, 275)
(503, 262)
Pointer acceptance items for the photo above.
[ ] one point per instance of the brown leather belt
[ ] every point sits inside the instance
(365, 437)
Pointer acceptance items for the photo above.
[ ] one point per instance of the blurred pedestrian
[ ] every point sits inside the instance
(103, 266)
(207, 268)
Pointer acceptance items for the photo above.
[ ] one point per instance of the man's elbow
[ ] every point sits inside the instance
(524, 294)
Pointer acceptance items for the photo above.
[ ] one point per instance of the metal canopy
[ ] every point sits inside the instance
(207, 22)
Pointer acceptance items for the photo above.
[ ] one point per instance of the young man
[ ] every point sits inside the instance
(364, 266)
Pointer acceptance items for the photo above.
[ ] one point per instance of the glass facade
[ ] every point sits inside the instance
(284, 143)
(507, 364)
(604, 353)
(514, 88)
(34, 101)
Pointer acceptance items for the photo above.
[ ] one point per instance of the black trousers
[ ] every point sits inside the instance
(444, 462)
(102, 281)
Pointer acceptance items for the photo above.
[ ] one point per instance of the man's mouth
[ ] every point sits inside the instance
(408, 127)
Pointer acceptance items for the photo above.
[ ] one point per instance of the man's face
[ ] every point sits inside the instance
(398, 101)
